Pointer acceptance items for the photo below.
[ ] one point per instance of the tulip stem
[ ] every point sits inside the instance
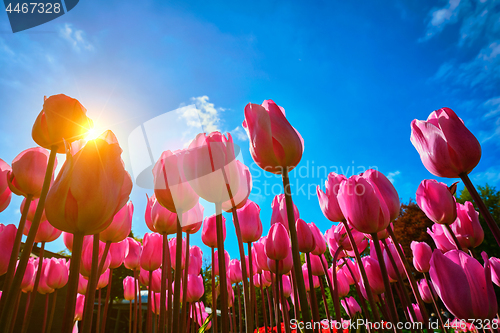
(98, 319)
(271, 323)
(284, 307)
(222, 268)
(177, 278)
(263, 306)
(163, 285)
(103, 258)
(335, 289)
(455, 239)
(135, 300)
(495, 230)
(15, 288)
(27, 317)
(106, 303)
(74, 275)
(358, 292)
(434, 303)
(363, 272)
(130, 318)
(297, 266)
(52, 311)
(88, 314)
(16, 305)
(277, 298)
(240, 319)
(185, 309)
(15, 250)
(148, 316)
(325, 303)
(312, 293)
(251, 292)
(214, 295)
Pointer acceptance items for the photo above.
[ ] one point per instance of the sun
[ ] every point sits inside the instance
(92, 134)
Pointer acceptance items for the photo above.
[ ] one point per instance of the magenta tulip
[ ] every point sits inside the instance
(279, 214)
(132, 259)
(80, 304)
(216, 261)
(342, 239)
(342, 282)
(103, 280)
(374, 274)
(195, 288)
(147, 214)
(82, 284)
(234, 271)
(277, 242)
(287, 286)
(350, 306)
(436, 201)
(209, 231)
(192, 219)
(316, 265)
(151, 256)
(305, 237)
(5, 192)
(195, 260)
(466, 227)
(385, 190)
(7, 236)
(43, 287)
(260, 253)
(393, 273)
(319, 240)
(240, 198)
(418, 314)
(163, 220)
(173, 250)
(28, 277)
(284, 266)
(422, 254)
(328, 200)
(120, 227)
(128, 288)
(425, 291)
(441, 238)
(86, 264)
(250, 224)
(305, 272)
(118, 252)
(56, 273)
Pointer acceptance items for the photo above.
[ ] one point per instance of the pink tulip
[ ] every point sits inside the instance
(422, 254)
(86, 264)
(216, 261)
(173, 250)
(192, 219)
(495, 270)
(466, 227)
(245, 187)
(28, 277)
(363, 206)
(260, 254)
(120, 227)
(256, 280)
(198, 312)
(342, 282)
(305, 237)
(446, 147)
(342, 238)
(266, 279)
(234, 271)
(354, 269)
(90, 189)
(393, 273)
(128, 288)
(279, 214)
(274, 143)
(28, 172)
(118, 252)
(361, 248)
(210, 166)
(172, 189)
(147, 215)
(328, 200)
(82, 284)
(316, 266)
(287, 286)
(156, 281)
(250, 224)
(209, 231)
(151, 257)
(436, 201)
(5, 192)
(418, 314)
(284, 266)
(43, 288)
(277, 242)
(319, 240)
(132, 260)
(103, 280)
(425, 291)
(463, 284)
(45, 233)
(255, 266)
(163, 220)
(441, 238)
(332, 243)
(56, 273)
(315, 279)
(385, 190)
(80, 304)
(68, 240)
(195, 288)
(7, 236)
(350, 306)
(374, 274)
(143, 277)
(195, 260)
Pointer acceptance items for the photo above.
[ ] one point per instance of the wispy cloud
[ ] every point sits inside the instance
(239, 133)
(76, 37)
(392, 175)
(490, 176)
(440, 17)
(203, 114)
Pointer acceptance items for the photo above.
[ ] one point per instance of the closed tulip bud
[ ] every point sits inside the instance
(287, 286)
(28, 172)
(28, 277)
(172, 189)
(68, 240)
(350, 306)
(143, 277)
(319, 240)
(121, 225)
(422, 254)
(151, 257)
(436, 201)
(495, 270)
(234, 271)
(118, 252)
(342, 238)
(284, 266)
(256, 280)
(441, 238)
(210, 167)
(274, 143)
(82, 284)
(328, 200)
(90, 189)
(62, 119)
(195, 288)
(250, 224)
(342, 282)
(43, 287)
(446, 147)
(363, 206)
(173, 250)
(418, 314)
(305, 238)
(315, 279)
(391, 271)
(277, 242)
(279, 214)
(260, 253)
(195, 260)
(156, 281)
(147, 215)
(80, 304)
(128, 288)
(86, 264)
(240, 198)
(7, 236)
(466, 227)
(45, 233)
(216, 261)
(255, 266)
(192, 219)
(352, 270)
(5, 192)
(463, 284)
(266, 279)
(103, 280)
(374, 274)
(56, 273)
(316, 265)
(425, 291)
(209, 231)
(333, 246)
(163, 220)
(361, 248)
(132, 259)
(385, 190)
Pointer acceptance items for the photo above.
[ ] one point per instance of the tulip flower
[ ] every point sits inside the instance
(195, 288)
(374, 274)
(43, 287)
(425, 291)
(209, 231)
(68, 240)
(250, 224)
(45, 233)
(393, 273)
(463, 284)
(440, 236)
(172, 189)
(7, 236)
(121, 225)
(495, 270)
(342, 281)
(319, 240)
(163, 220)
(342, 239)
(216, 261)
(234, 271)
(352, 268)
(195, 260)
(28, 277)
(132, 259)
(5, 192)
(384, 189)
(62, 119)
(192, 219)
(128, 288)
(173, 250)
(80, 304)
(466, 227)
(240, 198)
(82, 284)
(305, 237)
(279, 214)
(436, 201)
(56, 273)
(422, 254)
(277, 242)
(151, 256)
(28, 172)
(284, 266)
(156, 281)
(118, 252)
(103, 280)
(86, 265)
(316, 265)
(333, 246)
(274, 143)
(418, 314)
(210, 167)
(328, 200)
(260, 253)
(287, 286)
(350, 306)
(147, 215)
(446, 147)
(306, 278)
(90, 189)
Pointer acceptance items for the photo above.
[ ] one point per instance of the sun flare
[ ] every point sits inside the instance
(92, 134)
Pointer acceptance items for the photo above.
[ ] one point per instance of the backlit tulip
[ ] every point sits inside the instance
(151, 256)
(446, 147)
(305, 238)
(86, 264)
(210, 166)
(5, 192)
(28, 277)
(342, 238)
(353, 267)
(391, 271)
(7, 236)
(82, 284)
(90, 189)
(132, 259)
(195, 260)
(418, 314)
(284, 266)
(118, 252)
(195, 288)
(192, 219)
(342, 282)
(103, 280)
(495, 270)
(422, 254)
(287, 286)
(279, 214)
(163, 220)
(216, 261)
(80, 304)
(45, 233)
(68, 240)
(315, 279)
(244, 188)
(385, 190)
(463, 284)
(173, 250)
(172, 189)
(147, 215)
(56, 273)
(425, 291)
(274, 143)
(260, 253)
(436, 201)
(250, 224)
(319, 240)
(28, 172)
(128, 288)
(43, 287)
(332, 243)
(466, 227)
(328, 200)
(374, 274)
(277, 242)
(234, 271)
(209, 231)
(156, 281)
(121, 225)
(441, 238)
(317, 265)
(350, 306)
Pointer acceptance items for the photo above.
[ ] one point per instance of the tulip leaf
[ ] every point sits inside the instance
(205, 324)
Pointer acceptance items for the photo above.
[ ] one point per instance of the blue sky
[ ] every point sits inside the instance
(351, 76)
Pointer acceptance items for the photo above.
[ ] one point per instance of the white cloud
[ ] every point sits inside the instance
(76, 37)
(392, 175)
(239, 133)
(202, 114)
(490, 176)
(440, 17)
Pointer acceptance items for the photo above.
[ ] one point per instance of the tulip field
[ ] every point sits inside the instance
(353, 276)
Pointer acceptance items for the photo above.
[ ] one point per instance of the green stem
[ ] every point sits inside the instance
(184, 286)
(222, 269)
(177, 278)
(312, 292)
